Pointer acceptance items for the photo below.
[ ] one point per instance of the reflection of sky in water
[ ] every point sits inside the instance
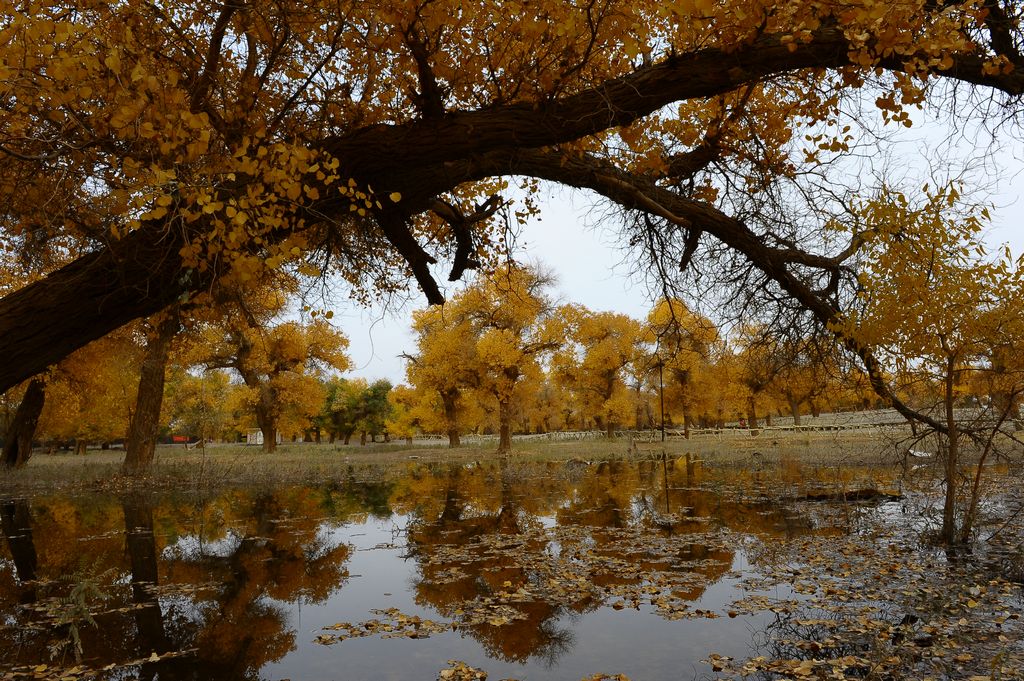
(192, 547)
(275, 549)
(637, 643)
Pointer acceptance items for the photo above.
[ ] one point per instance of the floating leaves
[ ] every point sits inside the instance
(460, 671)
(395, 624)
(635, 566)
(883, 609)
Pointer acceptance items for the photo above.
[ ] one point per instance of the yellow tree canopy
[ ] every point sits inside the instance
(932, 300)
(91, 394)
(594, 361)
(158, 147)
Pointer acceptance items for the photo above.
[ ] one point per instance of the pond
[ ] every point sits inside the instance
(523, 570)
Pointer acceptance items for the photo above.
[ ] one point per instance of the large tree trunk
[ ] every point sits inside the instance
(504, 427)
(266, 419)
(18, 438)
(449, 400)
(269, 430)
(752, 413)
(794, 408)
(145, 425)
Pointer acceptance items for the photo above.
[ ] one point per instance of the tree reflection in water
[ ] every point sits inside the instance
(535, 632)
(485, 543)
(515, 553)
(205, 603)
(15, 521)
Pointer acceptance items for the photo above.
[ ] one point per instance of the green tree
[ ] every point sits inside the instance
(355, 405)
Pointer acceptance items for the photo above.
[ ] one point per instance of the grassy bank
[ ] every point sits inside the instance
(218, 465)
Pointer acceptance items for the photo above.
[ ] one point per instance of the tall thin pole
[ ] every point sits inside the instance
(661, 390)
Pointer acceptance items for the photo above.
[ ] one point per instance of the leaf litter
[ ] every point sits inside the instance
(877, 603)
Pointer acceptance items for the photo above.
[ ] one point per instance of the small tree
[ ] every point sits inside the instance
(938, 310)
(514, 324)
(444, 364)
(281, 366)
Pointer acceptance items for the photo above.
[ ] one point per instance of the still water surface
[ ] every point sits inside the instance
(528, 571)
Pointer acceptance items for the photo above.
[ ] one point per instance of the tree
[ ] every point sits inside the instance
(21, 429)
(513, 324)
(280, 365)
(144, 427)
(682, 343)
(376, 410)
(938, 310)
(804, 365)
(593, 363)
(148, 140)
(404, 418)
(356, 406)
(198, 405)
(444, 364)
(761, 357)
(91, 395)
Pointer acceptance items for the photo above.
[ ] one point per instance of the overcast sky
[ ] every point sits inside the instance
(580, 248)
(568, 239)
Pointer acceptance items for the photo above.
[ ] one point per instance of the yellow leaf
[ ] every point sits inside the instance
(395, 196)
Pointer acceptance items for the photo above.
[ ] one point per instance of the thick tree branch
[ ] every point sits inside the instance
(461, 225)
(137, 276)
(430, 99)
(201, 88)
(385, 152)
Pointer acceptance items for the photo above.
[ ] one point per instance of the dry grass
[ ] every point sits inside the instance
(219, 465)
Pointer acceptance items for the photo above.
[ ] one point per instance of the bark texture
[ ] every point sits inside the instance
(145, 424)
(449, 399)
(19, 436)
